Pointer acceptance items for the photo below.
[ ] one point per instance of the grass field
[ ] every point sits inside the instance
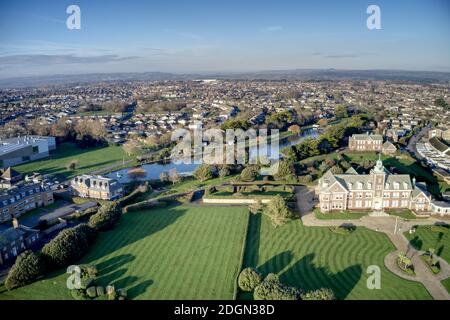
(311, 258)
(425, 238)
(345, 215)
(89, 160)
(185, 252)
(446, 284)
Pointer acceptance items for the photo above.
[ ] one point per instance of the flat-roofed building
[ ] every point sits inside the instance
(14, 151)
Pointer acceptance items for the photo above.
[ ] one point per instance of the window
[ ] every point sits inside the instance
(395, 203)
(35, 149)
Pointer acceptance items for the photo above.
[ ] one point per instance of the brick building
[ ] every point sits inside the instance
(365, 142)
(22, 198)
(375, 191)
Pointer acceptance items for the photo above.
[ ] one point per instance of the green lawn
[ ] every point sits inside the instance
(184, 252)
(446, 284)
(425, 238)
(345, 215)
(313, 257)
(405, 214)
(89, 160)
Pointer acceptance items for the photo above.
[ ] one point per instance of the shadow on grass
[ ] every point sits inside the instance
(252, 242)
(277, 263)
(306, 275)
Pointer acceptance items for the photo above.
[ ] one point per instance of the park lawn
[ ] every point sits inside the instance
(425, 238)
(405, 214)
(89, 160)
(184, 252)
(313, 257)
(345, 215)
(446, 284)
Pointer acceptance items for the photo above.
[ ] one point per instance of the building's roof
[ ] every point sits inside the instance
(388, 145)
(10, 173)
(351, 181)
(442, 204)
(351, 170)
(367, 136)
(97, 183)
(14, 194)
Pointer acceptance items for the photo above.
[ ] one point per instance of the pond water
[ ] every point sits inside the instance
(152, 171)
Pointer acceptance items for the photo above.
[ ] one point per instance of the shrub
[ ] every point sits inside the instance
(272, 289)
(91, 292)
(148, 204)
(67, 247)
(278, 211)
(87, 282)
(224, 172)
(100, 291)
(249, 174)
(79, 294)
(27, 268)
(204, 172)
(89, 232)
(210, 190)
(320, 294)
(248, 279)
(106, 217)
(88, 271)
(305, 179)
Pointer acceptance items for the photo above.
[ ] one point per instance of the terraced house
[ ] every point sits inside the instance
(96, 187)
(365, 142)
(20, 199)
(375, 191)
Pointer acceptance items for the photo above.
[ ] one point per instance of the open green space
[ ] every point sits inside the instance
(314, 257)
(88, 160)
(446, 284)
(184, 252)
(427, 237)
(402, 213)
(344, 215)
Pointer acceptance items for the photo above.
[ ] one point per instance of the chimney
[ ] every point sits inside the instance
(15, 223)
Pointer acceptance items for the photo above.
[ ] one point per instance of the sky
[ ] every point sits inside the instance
(221, 36)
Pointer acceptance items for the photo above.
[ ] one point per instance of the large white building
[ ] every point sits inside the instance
(14, 151)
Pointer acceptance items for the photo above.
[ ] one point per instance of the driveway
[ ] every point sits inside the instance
(393, 227)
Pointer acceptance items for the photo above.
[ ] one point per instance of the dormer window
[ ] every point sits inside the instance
(396, 185)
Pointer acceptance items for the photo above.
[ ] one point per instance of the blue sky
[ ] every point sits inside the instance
(209, 36)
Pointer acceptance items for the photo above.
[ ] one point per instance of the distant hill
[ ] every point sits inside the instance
(297, 74)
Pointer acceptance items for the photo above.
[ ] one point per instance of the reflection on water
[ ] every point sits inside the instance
(153, 171)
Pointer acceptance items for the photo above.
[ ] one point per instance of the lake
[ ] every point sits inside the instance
(153, 170)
